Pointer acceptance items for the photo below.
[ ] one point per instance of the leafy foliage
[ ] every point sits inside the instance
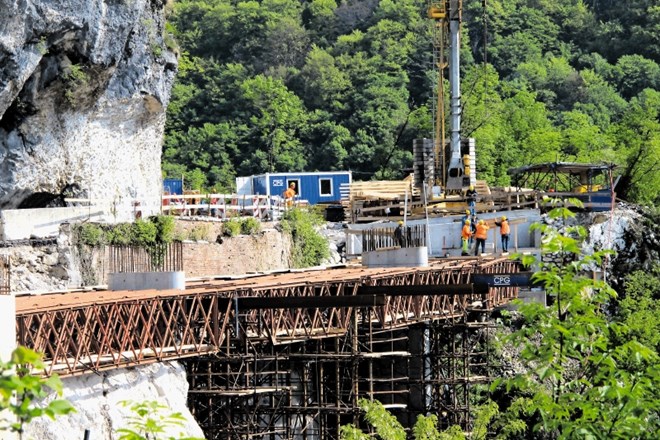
(22, 391)
(152, 421)
(157, 229)
(582, 379)
(250, 226)
(284, 85)
(199, 233)
(639, 309)
(309, 247)
(90, 234)
(387, 427)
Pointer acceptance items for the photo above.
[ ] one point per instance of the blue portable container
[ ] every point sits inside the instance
(315, 187)
(172, 186)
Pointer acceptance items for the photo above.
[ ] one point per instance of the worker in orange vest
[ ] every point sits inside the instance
(289, 194)
(505, 231)
(481, 234)
(466, 233)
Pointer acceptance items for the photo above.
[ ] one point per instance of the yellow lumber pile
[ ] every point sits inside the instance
(382, 190)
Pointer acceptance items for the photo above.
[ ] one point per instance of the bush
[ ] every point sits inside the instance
(199, 233)
(231, 227)
(120, 234)
(90, 234)
(309, 247)
(158, 229)
(144, 232)
(250, 226)
(164, 228)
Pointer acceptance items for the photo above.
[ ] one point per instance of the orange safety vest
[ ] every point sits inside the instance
(482, 231)
(504, 228)
(289, 193)
(466, 232)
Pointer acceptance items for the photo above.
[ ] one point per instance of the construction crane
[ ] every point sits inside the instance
(454, 169)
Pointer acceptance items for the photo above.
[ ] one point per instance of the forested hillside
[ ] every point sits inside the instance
(277, 85)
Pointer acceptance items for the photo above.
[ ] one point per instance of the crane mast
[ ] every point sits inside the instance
(452, 170)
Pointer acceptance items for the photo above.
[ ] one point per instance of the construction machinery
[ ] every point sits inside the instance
(453, 167)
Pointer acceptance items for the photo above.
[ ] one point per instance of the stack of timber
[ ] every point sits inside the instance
(378, 199)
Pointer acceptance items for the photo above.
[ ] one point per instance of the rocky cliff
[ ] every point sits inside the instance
(97, 397)
(83, 90)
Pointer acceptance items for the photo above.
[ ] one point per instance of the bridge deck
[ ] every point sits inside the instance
(81, 332)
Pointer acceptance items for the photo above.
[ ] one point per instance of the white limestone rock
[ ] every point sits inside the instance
(83, 89)
(96, 399)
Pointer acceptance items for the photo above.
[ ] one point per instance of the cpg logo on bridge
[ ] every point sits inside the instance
(502, 280)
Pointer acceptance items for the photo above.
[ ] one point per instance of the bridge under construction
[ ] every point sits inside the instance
(289, 355)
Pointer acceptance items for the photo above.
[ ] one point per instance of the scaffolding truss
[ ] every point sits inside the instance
(418, 352)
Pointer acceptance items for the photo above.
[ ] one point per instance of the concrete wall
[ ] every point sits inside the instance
(147, 281)
(445, 233)
(20, 224)
(403, 257)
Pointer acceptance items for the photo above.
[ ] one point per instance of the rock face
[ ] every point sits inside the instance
(632, 232)
(97, 401)
(83, 89)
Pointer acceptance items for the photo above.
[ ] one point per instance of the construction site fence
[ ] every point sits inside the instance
(160, 257)
(5, 268)
(387, 238)
(225, 206)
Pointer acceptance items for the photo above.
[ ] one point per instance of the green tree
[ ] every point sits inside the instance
(277, 116)
(324, 84)
(634, 73)
(639, 308)
(584, 140)
(580, 382)
(637, 139)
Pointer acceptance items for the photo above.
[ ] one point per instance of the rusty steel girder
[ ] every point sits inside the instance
(80, 332)
(107, 335)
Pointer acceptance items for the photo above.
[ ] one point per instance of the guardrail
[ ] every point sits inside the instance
(227, 205)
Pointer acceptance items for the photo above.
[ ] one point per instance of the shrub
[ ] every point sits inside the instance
(231, 227)
(250, 226)
(120, 234)
(90, 234)
(309, 247)
(144, 232)
(75, 79)
(199, 232)
(164, 228)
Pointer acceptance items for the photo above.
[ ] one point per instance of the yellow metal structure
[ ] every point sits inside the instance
(437, 11)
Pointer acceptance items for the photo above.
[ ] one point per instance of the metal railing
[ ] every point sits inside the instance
(165, 257)
(384, 238)
(5, 269)
(225, 206)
